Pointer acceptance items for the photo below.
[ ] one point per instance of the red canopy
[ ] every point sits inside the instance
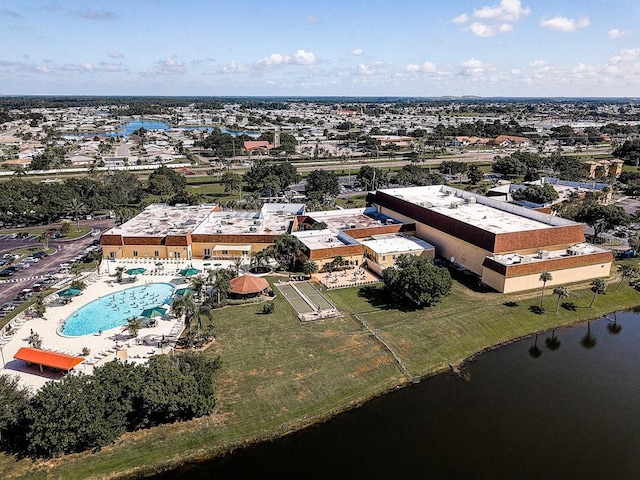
(57, 360)
(246, 284)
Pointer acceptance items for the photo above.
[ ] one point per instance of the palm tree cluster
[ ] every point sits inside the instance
(196, 306)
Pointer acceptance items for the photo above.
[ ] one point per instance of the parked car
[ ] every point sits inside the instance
(31, 260)
(40, 255)
(6, 273)
(7, 307)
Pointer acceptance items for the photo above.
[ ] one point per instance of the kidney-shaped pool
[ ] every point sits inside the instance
(113, 310)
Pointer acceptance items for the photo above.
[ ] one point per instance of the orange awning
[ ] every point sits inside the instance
(57, 360)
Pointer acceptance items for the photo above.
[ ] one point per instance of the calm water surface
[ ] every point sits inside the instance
(569, 413)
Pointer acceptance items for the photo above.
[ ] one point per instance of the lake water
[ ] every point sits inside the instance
(569, 413)
(128, 128)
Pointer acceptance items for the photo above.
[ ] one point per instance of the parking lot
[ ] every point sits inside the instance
(24, 278)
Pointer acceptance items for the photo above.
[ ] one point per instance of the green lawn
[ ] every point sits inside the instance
(279, 374)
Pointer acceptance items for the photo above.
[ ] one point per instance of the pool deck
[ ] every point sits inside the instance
(103, 348)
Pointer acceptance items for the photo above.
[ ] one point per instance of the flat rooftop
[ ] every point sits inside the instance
(238, 223)
(392, 243)
(159, 220)
(579, 249)
(482, 212)
(320, 239)
(350, 218)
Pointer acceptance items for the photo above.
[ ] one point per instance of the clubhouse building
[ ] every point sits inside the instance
(505, 245)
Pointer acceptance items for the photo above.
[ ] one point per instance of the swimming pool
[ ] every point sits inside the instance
(113, 310)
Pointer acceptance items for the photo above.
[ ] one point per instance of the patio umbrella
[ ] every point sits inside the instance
(179, 281)
(183, 291)
(189, 272)
(69, 292)
(135, 271)
(153, 312)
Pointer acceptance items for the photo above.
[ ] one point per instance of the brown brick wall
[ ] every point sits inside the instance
(143, 240)
(111, 240)
(345, 251)
(543, 238)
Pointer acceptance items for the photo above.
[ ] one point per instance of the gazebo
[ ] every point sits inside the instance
(247, 286)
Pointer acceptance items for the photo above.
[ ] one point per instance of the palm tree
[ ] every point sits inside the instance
(597, 286)
(44, 238)
(197, 284)
(237, 264)
(119, 272)
(75, 208)
(544, 278)
(133, 326)
(310, 267)
(185, 306)
(561, 292)
(626, 271)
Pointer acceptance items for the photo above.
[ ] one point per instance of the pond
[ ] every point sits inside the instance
(565, 409)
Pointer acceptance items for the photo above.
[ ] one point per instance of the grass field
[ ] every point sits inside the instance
(312, 294)
(279, 374)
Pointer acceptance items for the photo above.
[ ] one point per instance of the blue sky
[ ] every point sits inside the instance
(329, 47)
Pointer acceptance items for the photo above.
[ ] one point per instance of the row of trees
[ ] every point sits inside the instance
(81, 412)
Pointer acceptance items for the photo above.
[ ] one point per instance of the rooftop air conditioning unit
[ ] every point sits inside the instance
(453, 205)
(471, 200)
(219, 231)
(256, 222)
(253, 229)
(283, 228)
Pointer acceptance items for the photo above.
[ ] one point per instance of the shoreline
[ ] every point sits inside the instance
(251, 442)
(236, 424)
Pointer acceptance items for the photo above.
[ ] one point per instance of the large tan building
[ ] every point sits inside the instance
(507, 246)
(203, 231)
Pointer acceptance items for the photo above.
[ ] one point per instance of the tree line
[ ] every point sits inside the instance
(82, 412)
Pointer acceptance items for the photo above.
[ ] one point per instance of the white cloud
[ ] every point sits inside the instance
(507, 11)
(492, 20)
(357, 52)
(460, 19)
(482, 30)
(473, 67)
(537, 63)
(116, 55)
(426, 67)
(617, 33)
(168, 66)
(301, 57)
(564, 24)
(235, 67)
(625, 55)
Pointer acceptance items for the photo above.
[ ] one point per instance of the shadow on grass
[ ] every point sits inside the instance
(510, 304)
(380, 298)
(569, 306)
(470, 280)
(536, 309)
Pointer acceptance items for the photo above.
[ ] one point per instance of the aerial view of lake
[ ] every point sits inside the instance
(129, 128)
(562, 409)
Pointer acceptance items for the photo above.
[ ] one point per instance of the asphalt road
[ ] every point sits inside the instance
(65, 251)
